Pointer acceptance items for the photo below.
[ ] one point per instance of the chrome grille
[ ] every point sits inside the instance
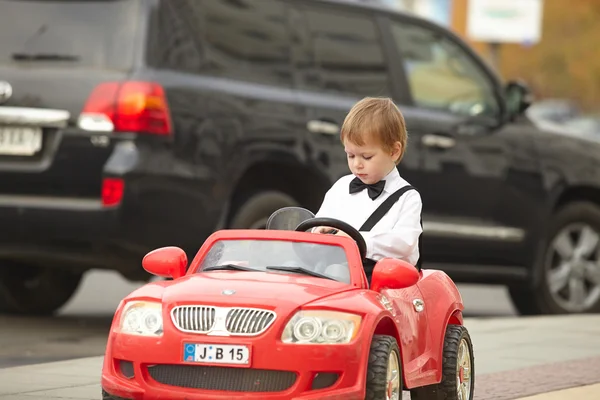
(222, 321)
(248, 321)
(198, 319)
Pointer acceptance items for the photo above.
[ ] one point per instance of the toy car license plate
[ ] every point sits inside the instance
(216, 353)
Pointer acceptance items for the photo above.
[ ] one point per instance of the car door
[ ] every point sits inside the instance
(339, 58)
(451, 116)
(415, 336)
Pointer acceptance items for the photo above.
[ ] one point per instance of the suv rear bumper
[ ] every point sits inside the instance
(82, 234)
(63, 232)
(160, 206)
(27, 217)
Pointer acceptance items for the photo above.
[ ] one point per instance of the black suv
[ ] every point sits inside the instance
(127, 125)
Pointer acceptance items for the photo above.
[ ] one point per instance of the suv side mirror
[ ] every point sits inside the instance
(518, 98)
(391, 273)
(166, 262)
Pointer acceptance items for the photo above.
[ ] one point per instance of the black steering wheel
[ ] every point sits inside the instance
(341, 225)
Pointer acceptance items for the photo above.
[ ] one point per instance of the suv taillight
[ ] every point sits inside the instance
(112, 191)
(130, 106)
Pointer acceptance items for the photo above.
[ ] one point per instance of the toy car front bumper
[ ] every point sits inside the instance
(151, 368)
(119, 392)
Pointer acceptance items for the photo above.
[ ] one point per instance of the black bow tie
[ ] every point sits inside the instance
(375, 189)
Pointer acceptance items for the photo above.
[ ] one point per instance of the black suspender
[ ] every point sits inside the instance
(384, 208)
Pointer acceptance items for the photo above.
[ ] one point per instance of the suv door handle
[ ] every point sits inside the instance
(438, 141)
(323, 127)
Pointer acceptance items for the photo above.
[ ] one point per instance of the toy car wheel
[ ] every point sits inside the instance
(567, 275)
(458, 371)
(384, 371)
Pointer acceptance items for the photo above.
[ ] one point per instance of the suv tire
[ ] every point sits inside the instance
(255, 212)
(35, 290)
(576, 263)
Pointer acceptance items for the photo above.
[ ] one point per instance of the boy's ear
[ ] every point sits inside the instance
(396, 150)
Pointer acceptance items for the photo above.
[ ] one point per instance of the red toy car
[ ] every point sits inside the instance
(287, 314)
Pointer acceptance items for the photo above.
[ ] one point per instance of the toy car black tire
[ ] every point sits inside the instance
(382, 347)
(106, 396)
(447, 389)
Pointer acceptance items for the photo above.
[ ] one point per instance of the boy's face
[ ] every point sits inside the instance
(370, 162)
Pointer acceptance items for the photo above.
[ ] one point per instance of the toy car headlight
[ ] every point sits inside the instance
(321, 327)
(142, 318)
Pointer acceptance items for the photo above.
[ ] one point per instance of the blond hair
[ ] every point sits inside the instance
(375, 119)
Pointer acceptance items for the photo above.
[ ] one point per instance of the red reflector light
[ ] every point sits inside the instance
(112, 191)
(130, 106)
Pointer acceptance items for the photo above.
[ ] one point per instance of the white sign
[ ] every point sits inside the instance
(512, 21)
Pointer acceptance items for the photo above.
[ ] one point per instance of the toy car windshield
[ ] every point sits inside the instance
(278, 256)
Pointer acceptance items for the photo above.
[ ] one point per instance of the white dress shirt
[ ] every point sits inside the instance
(396, 234)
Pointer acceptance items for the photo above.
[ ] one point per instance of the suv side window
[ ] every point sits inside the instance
(441, 75)
(339, 52)
(242, 40)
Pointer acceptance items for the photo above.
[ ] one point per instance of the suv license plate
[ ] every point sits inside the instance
(20, 141)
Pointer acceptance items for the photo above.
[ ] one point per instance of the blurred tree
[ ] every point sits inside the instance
(565, 63)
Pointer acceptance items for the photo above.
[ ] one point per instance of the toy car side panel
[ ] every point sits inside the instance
(443, 305)
(414, 336)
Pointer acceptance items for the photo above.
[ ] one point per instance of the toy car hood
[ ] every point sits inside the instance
(240, 288)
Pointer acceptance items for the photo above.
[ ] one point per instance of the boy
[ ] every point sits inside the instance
(374, 137)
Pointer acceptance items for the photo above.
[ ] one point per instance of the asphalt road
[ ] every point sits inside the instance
(81, 327)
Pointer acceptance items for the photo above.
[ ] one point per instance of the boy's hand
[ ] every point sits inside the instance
(325, 230)
(341, 233)
(329, 230)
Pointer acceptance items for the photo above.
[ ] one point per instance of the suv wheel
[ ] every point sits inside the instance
(255, 212)
(34, 290)
(568, 267)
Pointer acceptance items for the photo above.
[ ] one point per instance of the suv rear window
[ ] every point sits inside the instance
(82, 33)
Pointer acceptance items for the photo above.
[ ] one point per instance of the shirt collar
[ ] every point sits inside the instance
(392, 180)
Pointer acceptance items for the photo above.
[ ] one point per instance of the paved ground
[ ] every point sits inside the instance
(589, 392)
(540, 379)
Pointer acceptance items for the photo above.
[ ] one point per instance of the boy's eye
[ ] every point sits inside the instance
(350, 156)
(367, 157)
